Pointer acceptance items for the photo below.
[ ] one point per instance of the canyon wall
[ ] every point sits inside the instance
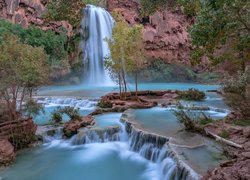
(30, 12)
(165, 33)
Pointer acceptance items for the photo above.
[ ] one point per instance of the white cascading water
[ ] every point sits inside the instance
(96, 25)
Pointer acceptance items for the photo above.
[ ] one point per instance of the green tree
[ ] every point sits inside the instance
(149, 7)
(221, 31)
(65, 10)
(116, 62)
(135, 52)
(53, 43)
(23, 69)
(190, 7)
(126, 48)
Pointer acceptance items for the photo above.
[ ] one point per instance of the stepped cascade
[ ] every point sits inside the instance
(96, 25)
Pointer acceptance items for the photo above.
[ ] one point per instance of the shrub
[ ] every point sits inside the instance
(236, 84)
(188, 119)
(103, 104)
(52, 42)
(149, 7)
(242, 122)
(159, 71)
(73, 114)
(192, 94)
(224, 134)
(191, 121)
(32, 108)
(56, 116)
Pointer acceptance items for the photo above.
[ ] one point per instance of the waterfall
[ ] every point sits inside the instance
(96, 25)
(150, 146)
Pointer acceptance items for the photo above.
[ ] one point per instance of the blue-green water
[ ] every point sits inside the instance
(108, 119)
(60, 159)
(97, 91)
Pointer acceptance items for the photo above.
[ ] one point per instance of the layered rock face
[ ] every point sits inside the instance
(30, 12)
(19, 133)
(15, 135)
(165, 33)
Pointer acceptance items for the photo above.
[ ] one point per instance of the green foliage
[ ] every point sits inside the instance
(149, 7)
(242, 122)
(126, 48)
(187, 118)
(204, 120)
(223, 25)
(209, 77)
(23, 68)
(159, 71)
(224, 134)
(102, 104)
(65, 10)
(72, 113)
(190, 7)
(53, 43)
(32, 108)
(236, 84)
(101, 3)
(192, 95)
(56, 116)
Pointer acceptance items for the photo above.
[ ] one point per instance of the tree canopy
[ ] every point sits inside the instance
(52, 42)
(23, 68)
(65, 10)
(126, 48)
(221, 31)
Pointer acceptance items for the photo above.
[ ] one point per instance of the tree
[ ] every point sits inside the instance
(65, 10)
(221, 31)
(135, 48)
(52, 42)
(149, 7)
(116, 62)
(126, 47)
(23, 69)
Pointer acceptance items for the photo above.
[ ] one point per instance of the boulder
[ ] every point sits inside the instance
(70, 128)
(7, 154)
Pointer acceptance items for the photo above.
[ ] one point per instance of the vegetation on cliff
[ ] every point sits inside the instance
(222, 32)
(52, 42)
(64, 10)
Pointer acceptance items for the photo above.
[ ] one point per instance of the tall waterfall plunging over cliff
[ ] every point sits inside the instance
(96, 25)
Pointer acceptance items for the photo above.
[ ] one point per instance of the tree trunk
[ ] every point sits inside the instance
(120, 85)
(136, 84)
(124, 83)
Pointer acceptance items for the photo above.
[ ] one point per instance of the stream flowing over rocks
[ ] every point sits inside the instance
(161, 154)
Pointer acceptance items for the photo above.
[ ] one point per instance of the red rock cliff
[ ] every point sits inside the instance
(30, 12)
(165, 33)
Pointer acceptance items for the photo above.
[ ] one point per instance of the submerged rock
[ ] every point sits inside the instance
(7, 154)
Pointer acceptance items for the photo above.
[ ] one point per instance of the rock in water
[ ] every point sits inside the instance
(71, 127)
(7, 154)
